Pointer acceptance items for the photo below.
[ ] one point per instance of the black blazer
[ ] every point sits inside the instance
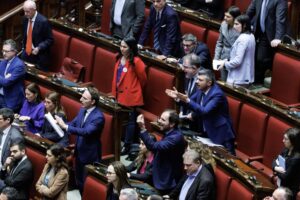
(203, 187)
(276, 17)
(21, 178)
(145, 177)
(291, 178)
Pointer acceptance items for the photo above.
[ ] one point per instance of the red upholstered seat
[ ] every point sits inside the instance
(103, 69)
(285, 85)
(94, 189)
(198, 31)
(72, 70)
(149, 41)
(222, 183)
(227, 4)
(242, 4)
(211, 40)
(108, 136)
(59, 50)
(155, 99)
(273, 145)
(83, 53)
(251, 132)
(105, 18)
(38, 161)
(234, 111)
(239, 192)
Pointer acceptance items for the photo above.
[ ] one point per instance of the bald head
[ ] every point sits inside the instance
(29, 8)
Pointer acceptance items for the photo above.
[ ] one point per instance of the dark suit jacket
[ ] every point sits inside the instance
(145, 177)
(276, 17)
(169, 32)
(12, 136)
(41, 37)
(88, 146)
(203, 187)
(167, 161)
(132, 17)
(13, 87)
(21, 178)
(213, 113)
(291, 178)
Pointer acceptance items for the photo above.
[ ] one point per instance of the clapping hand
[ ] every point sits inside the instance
(141, 122)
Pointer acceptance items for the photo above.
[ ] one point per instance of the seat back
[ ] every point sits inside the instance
(155, 99)
(251, 132)
(285, 85)
(198, 31)
(83, 53)
(211, 40)
(107, 136)
(94, 189)
(105, 17)
(38, 161)
(59, 49)
(72, 70)
(242, 4)
(222, 182)
(227, 4)
(234, 111)
(273, 142)
(103, 69)
(237, 192)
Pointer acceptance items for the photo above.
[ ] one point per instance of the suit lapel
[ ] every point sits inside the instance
(194, 185)
(6, 143)
(268, 8)
(125, 4)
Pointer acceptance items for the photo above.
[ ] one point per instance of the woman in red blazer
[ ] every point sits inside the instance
(129, 79)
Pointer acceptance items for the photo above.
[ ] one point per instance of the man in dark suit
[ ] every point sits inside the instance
(269, 25)
(8, 133)
(37, 36)
(199, 182)
(12, 73)
(126, 18)
(87, 126)
(167, 160)
(17, 171)
(210, 109)
(164, 22)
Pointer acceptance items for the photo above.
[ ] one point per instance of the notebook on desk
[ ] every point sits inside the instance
(68, 83)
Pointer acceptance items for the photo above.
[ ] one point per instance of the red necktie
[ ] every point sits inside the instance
(29, 39)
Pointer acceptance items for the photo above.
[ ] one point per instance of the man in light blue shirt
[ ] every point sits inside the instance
(199, 181)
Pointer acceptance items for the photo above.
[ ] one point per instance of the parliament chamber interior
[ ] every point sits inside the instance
(260, 114)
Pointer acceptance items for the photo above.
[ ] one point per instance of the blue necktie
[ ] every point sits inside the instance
(263, 15)
(156, 31)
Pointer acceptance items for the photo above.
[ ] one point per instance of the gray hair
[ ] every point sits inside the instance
(189, 37)
(288, 195)
(130, 193)
(30, 4)
(192, 154)
(10, 193)
(12, 44)
(193, 59)
(210, 76)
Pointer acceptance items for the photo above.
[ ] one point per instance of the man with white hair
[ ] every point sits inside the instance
(37, 36)
(128, 194)
(281, 193)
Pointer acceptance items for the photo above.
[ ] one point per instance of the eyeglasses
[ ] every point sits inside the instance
(6, 51)
(187, 45)
(110, 173)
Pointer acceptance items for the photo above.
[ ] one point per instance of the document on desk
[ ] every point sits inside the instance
(53, 123)
(207, 141)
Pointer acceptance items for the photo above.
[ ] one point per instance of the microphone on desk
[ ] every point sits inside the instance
(289, 40)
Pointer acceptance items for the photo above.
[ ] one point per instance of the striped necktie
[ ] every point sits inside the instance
(156, 31)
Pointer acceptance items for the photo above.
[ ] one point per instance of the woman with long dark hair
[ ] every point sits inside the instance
(53, 182)
(287, 165)
(117, 180)
(128, 81)
(53, 106)
(32, 111)
(227, 37)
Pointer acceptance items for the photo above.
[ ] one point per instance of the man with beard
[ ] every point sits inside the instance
(167, 161)
(17, 171)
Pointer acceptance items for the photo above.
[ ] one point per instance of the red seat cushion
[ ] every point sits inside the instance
(285, 85)
(83, 53)
(237, 192)
(103, 69)
(38, 161)
(94, 189)
(72, 70)
(251, 132)
(59, 50)
(108, 136)
(198, 31)
(222, 182)
(234, 111)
